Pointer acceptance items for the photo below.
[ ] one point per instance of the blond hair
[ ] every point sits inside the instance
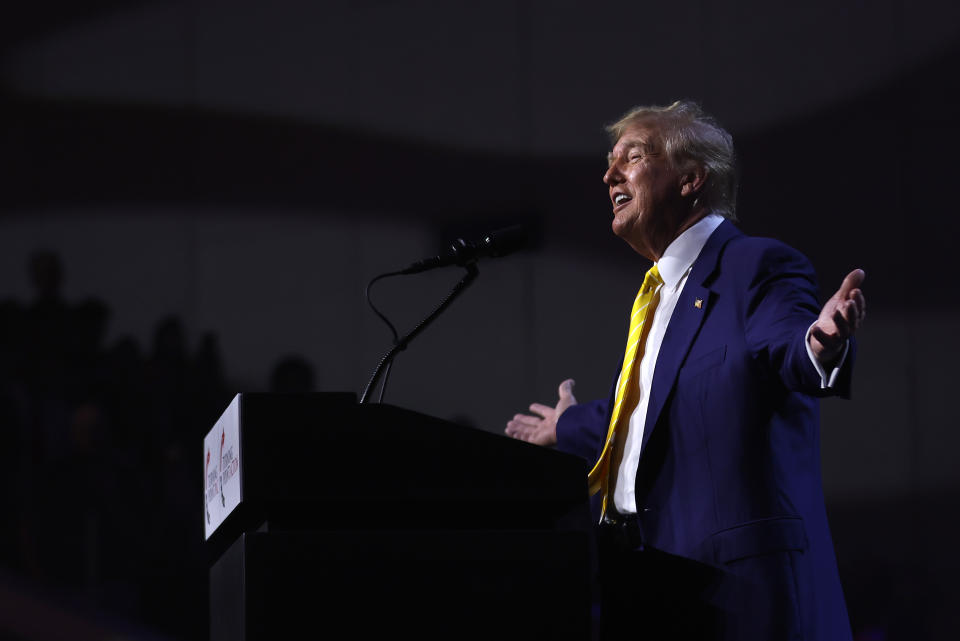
(689, 135)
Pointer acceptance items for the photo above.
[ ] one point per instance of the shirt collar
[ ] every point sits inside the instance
(685, 248)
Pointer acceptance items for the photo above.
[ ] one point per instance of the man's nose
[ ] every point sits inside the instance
(612, 175)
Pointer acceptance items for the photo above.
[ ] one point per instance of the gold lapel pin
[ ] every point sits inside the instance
(698, 303)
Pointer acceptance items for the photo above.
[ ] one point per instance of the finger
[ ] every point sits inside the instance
(525, 434)
(526, 419)
(566, 388)
(516, 430)
(520, 436)
(857, 297)
(861, 302)
(541, 410)
(841, 318)
(855, 316)
(853, 280)
(851, 313)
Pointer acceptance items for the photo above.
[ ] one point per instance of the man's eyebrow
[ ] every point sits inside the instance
(627, 147)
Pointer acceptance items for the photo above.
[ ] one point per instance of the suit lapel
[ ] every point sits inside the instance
(684, 325)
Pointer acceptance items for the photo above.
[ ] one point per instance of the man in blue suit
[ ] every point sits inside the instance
(711, 513)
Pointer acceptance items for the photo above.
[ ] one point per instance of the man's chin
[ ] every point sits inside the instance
(620, 227)
(624, 230)
(627, 234)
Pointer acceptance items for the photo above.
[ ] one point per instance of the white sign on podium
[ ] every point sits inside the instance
(221, 468)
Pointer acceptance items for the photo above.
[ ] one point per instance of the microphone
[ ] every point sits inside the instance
(493, 245)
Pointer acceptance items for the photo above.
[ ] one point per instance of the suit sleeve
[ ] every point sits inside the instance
(582, 428)
(782, 304)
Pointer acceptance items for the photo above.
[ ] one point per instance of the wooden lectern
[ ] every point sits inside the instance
(331, 520)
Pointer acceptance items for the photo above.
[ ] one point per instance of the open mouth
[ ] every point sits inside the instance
(619, 199)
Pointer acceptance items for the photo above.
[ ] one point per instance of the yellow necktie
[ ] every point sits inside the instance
(603, 476)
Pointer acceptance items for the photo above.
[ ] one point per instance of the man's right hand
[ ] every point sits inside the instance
(542, 428)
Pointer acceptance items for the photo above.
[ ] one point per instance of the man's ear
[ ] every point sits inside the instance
(692, 180)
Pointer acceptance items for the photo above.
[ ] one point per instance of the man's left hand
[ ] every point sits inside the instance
(839, 319)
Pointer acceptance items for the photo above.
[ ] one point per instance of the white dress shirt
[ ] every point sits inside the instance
(674, 266)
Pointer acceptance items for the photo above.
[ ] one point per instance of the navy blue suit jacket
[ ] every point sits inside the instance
(729, 474)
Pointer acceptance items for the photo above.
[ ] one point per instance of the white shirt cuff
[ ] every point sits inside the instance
(827, 381)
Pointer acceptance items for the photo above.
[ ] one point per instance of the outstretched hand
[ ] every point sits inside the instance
(839, 319)
(541, 429)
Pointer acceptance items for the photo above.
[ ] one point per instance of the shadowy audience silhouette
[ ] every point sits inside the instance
(99, 484)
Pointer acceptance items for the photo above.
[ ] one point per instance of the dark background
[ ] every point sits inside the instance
(193, 193)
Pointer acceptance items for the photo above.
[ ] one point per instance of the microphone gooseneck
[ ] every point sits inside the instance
(462, 253)
(401, 344)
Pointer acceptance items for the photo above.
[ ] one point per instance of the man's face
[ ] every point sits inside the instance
(645, 191)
